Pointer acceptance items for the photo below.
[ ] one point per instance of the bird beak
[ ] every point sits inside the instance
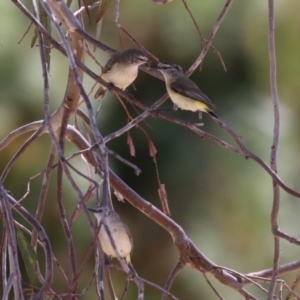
(146, 64)
(93, 209)
(161, 66)
(159, 69)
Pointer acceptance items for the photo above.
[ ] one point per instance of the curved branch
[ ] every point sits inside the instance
(18, 132)
(211, 37)
(44, 240)
(184, 245)
(15, 277)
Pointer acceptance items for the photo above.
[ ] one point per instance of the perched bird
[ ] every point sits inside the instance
(121, 69)
(184, 93)
(119, 232)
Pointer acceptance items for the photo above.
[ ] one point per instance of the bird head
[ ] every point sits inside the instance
(135, 56)
(169, 69)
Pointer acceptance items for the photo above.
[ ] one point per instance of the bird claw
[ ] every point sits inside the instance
(199, 124)
(130, 96)
(200, 115)
(106, 260)
(130, 275)
(110, 86)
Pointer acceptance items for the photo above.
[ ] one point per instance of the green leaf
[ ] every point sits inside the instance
(29, 257)
(45, 20)
(34, 38)
(102, 9)
(86, 6)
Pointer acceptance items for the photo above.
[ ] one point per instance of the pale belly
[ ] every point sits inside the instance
(121, 79)
(187, 103)
(122, 244)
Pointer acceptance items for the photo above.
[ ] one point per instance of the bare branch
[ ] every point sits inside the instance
(274, 148)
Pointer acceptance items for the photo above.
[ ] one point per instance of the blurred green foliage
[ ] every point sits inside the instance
(222, 200)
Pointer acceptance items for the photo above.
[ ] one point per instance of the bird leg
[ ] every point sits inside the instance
(200, 115)
(130, 275)
(129, 95)
(106, 260)
(175, 107)
(189, 121)
(199, 124)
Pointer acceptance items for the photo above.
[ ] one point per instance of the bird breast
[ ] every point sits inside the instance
(186, 103)
(120, 237)
(121, 76)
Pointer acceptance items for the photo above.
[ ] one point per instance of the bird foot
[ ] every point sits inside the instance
(110, 86)
(106, 260)
(199, 124)
(130, 275)
(130, 96)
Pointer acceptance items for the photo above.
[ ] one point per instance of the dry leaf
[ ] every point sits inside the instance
(162, 193)
(119, 196)
(131, 145)
(102, 9)
(152, 148)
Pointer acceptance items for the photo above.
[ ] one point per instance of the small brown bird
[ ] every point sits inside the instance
(121, 69)
(184, 93)
(119, 232)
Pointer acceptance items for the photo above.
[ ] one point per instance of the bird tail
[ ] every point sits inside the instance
(100, 93)
(213, 114)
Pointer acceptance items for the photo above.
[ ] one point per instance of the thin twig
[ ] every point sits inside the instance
(14, 280)
(274, 148)
(202, 39)
(211, 37)
(21, 150)
(291, 290)
(212, 287)
(43, 194)
(125, 290)
(176, 270)
(46, 245)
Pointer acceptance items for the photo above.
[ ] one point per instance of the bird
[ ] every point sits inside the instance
(185, 93)
(118, 231)
(121, 70)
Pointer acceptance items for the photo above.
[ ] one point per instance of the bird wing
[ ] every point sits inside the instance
(113, 60)
(186, 87)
